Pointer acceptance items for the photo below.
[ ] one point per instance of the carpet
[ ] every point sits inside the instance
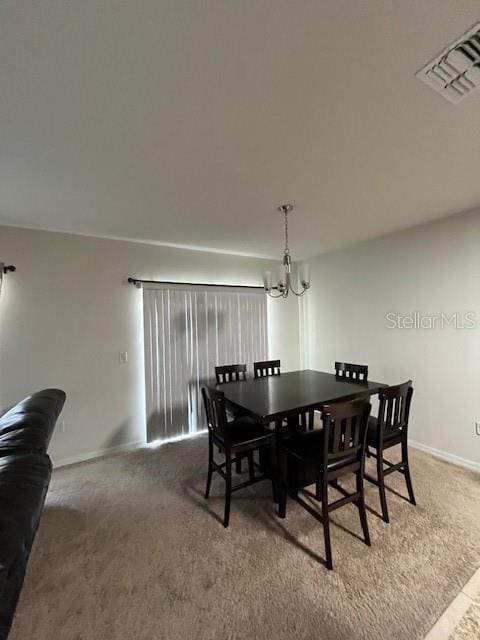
(128, 549)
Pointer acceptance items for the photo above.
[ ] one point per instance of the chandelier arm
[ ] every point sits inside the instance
(298, 293)
(280, 295)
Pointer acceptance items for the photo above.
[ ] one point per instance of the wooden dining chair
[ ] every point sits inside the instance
(230, 373)
(243, 435)
(266, 368)
(322, 457)
(386, 431)
(295, 423)
(349, 371)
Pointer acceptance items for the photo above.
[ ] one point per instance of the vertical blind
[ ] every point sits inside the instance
(188, 331)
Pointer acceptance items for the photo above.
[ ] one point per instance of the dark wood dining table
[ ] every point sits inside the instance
(275, 398)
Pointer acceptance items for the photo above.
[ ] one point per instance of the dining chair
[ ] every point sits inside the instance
(357, 372)
(388, 430)
(296, 423)
(230, 373)
(322, 457)
(244, 435)
(266, 368)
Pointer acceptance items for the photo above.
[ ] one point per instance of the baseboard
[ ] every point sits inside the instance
(128, 446)
(449, 457)
(82, 457)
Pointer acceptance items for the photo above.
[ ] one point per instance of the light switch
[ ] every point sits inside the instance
(123, 357)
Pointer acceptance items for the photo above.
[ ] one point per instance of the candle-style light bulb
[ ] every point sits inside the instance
(305, 275)
(267, 280)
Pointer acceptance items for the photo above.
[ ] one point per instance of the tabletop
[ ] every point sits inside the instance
(274, 397)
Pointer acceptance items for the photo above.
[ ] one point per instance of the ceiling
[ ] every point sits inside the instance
(187, 123)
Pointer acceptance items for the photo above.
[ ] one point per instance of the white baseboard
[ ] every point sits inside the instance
(450, 457)
(128, 446)
(82, 457)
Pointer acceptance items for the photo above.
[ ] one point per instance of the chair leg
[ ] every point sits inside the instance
(274, 467)
(210, 468)
(362, 510)
(282, 498)
(238, 465)
(408, 477)
(263, 457)
(251, 466)
(326, 524)
(381, 486)
(282, 505)
(228, 488)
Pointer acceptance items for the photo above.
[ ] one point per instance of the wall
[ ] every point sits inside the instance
(67, 312)
(430, 269)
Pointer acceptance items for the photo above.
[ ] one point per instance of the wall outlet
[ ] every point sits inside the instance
(477, 428)
(123, 357)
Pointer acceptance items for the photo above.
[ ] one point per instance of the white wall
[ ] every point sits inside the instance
(67, 312)
(431, 269)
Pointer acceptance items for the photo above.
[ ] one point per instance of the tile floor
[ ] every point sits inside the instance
(445, 625)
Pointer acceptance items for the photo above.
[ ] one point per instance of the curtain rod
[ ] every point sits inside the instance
(138, 281)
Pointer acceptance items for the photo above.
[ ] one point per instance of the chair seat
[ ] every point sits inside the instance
(372, 433)
(308, 448)
(243, 430)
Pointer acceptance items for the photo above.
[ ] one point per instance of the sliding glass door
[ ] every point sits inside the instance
(188, 331)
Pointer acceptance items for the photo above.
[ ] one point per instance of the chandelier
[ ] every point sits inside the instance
(284, 276)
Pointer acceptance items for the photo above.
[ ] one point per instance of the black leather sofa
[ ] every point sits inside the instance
(25, 468)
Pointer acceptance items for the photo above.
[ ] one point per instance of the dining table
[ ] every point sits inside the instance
(280, 397)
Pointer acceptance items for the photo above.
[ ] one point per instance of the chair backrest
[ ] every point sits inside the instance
(394, 409)
(266, 368)
(351, 371)
(214, 402)
(297, 423)
(230, 373)
(344, 431)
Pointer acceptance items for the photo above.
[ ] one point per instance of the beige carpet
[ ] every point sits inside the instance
(129, 550)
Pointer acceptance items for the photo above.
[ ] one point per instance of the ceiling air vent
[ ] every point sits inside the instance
(456, 71)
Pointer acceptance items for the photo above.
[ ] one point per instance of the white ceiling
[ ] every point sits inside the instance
(187, 122)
